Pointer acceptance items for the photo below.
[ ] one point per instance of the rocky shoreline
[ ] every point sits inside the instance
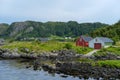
(53, 55)
(64, 61)
(83, 70)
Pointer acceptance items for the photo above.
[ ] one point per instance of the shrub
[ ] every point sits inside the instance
(11, 40)
(68, 46)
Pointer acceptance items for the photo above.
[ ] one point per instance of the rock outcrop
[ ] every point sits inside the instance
(81, 70)
(57, 55)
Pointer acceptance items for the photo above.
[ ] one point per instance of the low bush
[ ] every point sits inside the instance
(68, 46)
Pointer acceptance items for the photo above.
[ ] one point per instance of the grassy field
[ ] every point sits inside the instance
(117, 43)
(109, 63)
(37, 46)
(102, 63)
(113, 50)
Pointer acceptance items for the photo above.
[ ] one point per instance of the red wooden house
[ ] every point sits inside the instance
(83, 41)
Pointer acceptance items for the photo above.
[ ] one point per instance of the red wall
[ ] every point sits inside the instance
(81, 43)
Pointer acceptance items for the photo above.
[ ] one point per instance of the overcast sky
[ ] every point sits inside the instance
(105, 11)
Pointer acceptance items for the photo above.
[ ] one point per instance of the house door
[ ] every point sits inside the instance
(97, 46)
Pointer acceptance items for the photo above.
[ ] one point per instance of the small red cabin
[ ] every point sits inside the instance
(83, 41)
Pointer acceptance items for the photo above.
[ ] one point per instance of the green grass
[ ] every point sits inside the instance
(104, 51)
(115, 49)
(109, 63)
(82, 50)
(101, 63)
(85, 60)
(37, 46)
(117, 43)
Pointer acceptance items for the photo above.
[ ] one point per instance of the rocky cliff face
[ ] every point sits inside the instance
(17, 27)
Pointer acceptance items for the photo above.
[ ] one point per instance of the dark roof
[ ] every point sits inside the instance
(105, 39)
(87, 38)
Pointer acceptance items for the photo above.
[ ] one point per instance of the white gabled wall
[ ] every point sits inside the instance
(91, 43)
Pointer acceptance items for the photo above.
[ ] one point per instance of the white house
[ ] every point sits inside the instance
(99, 42)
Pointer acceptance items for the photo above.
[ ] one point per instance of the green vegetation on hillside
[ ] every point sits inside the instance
(27, 29)
(3, 28)
(112, 31)
(39, 47)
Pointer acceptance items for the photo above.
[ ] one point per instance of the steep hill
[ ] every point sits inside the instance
(112, 31)
(38, 29)
(3, 28)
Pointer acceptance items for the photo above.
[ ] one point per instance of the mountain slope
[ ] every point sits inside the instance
(3, 28)
(38, 29)
(112, 31)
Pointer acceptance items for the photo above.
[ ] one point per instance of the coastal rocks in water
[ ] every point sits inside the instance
(54, 55)
(13, 54)
(73, 68)
(8, 54)
(80, 69)
(86, 70)
(29, 56)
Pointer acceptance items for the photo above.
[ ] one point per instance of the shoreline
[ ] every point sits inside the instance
(66, 62)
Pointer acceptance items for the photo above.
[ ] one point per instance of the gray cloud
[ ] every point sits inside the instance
(61, 10)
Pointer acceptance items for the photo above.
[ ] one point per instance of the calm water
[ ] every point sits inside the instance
(11, 70)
